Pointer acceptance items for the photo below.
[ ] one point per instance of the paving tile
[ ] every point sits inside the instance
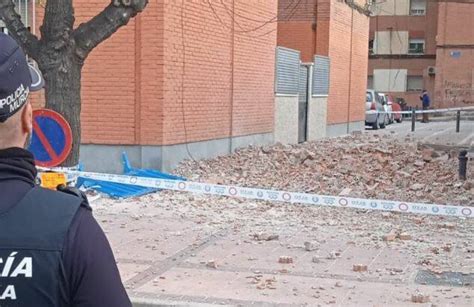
(129, 270)
(220, 286)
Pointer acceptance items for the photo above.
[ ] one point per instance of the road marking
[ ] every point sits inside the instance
(466, 140)
(426, 138)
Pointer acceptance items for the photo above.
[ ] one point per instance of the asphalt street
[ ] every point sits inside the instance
(439, 133)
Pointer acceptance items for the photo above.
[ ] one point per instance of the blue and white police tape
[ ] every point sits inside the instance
(422, 111)
(281, 196)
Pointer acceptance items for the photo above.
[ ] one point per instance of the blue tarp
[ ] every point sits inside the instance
(118, 190)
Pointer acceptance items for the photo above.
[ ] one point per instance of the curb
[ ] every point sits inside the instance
(450, 118)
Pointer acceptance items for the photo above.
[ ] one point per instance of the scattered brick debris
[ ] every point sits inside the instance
(359, 268)
(420, 298)
(285, 259)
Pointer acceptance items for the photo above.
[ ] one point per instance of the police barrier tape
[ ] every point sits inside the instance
(422, 111)
(281, 196)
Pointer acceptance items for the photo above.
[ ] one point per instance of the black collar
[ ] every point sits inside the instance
(17, 164)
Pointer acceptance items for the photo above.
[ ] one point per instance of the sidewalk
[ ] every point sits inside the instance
(170, 259)
(177, 249)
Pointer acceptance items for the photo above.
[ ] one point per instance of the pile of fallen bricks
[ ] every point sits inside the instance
(367, 166)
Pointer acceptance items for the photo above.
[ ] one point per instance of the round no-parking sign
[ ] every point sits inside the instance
(51, 142)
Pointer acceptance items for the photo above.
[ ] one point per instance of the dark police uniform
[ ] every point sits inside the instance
(32, 237)
(52, 250)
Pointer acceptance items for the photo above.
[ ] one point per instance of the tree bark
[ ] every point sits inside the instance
(63, 95)
(61, 51)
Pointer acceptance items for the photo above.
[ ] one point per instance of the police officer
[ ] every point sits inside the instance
(52, 250)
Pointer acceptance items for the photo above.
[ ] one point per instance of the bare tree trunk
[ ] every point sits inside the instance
(61, 69)
(63, 95)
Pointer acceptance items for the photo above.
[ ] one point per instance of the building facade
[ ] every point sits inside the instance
(183, 80)
(339, 30)
(454, 80)
(191, 79)
(422, 44)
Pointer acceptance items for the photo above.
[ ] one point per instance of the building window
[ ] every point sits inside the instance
(25, 9)
(414, 83)
(416, 46)
(370, 82)
(417, 7)
(371, 46)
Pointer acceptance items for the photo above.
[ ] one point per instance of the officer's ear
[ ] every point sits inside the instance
(27, 119)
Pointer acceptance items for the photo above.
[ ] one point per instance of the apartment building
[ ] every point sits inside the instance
(422, 44)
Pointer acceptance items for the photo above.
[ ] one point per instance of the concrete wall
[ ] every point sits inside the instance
(391, 42)
(108, 158)
(393, 7)
(317, 118)
(286, 119)
(390, 80)
(345, 128)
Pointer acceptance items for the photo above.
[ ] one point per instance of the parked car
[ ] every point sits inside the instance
(373, 107)
(390, 104)
(397, 108)
(387, 109)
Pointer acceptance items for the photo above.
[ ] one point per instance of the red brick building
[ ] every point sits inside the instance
(340, 31)
(184, 79)
(196, 78)
(422, 44)
(454, 80)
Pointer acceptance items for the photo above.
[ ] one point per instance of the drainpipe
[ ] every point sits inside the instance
(309, 98)
(350, 76)
(33, 26)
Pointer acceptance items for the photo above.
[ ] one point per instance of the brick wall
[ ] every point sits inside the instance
(455, 56)
(323, 21)
(297, 26)
(298, 35)
(227, 86)
(108, 83)
(348, 49)
(132, 84)
(254, 68)
(455, 23)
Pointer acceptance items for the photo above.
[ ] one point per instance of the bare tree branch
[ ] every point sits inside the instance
(17, 29)
(117, 14)
(58, 22)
